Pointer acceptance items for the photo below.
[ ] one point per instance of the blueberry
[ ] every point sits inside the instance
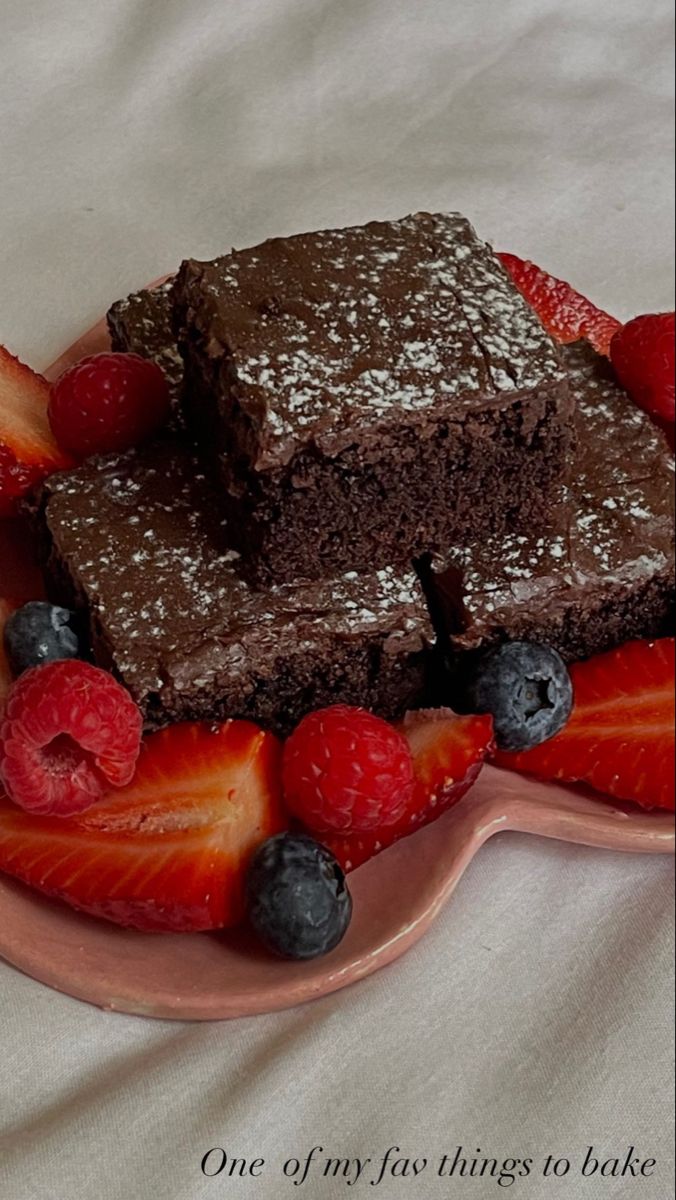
(39, 633)
(527, 689)
(297, 897)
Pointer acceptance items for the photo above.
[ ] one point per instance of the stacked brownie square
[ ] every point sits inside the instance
(137, 542)
(380, 432)
(366, 394)
(600, 570)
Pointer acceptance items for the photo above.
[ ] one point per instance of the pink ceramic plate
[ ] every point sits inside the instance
(396, 896)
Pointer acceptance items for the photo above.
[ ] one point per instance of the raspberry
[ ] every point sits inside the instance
(107, 403)
(69, 732)
(345, 769)
(448, 753)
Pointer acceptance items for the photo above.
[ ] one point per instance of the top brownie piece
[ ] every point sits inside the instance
(337, 335)
(340, 377)
(142, 324)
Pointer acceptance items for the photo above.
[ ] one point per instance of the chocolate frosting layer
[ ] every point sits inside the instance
(330, 339)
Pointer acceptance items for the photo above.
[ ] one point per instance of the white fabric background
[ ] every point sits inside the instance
(535, 1017)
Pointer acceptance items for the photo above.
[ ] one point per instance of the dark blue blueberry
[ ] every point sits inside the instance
(527, 689)
(297, 897)
(39, 633)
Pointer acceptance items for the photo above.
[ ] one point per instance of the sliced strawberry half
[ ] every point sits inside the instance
(448, 753)
(170, 851)
(620, 736)
(564, 312)
(642, 353)
(28, 451)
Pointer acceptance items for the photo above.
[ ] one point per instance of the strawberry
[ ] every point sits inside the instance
(448, 753)
(642, 353)
(169, 852)
(6, 678)
(565, 313)
(620, 736)
(28, 451)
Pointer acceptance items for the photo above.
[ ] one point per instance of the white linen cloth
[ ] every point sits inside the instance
(535, 1018)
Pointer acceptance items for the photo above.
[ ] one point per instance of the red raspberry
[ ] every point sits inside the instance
(344, 769)
(69, 732)
(642, 353)
(107, 403)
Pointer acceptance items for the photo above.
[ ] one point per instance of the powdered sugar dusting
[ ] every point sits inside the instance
(333, 334)
(164, 591)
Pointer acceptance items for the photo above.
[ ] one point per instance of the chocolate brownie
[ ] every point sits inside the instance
(369, 393)
(137, 543)
(602, 571)
(142, 324)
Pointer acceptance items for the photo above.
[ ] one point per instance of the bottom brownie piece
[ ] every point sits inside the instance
(602, 571)
(136, 543)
